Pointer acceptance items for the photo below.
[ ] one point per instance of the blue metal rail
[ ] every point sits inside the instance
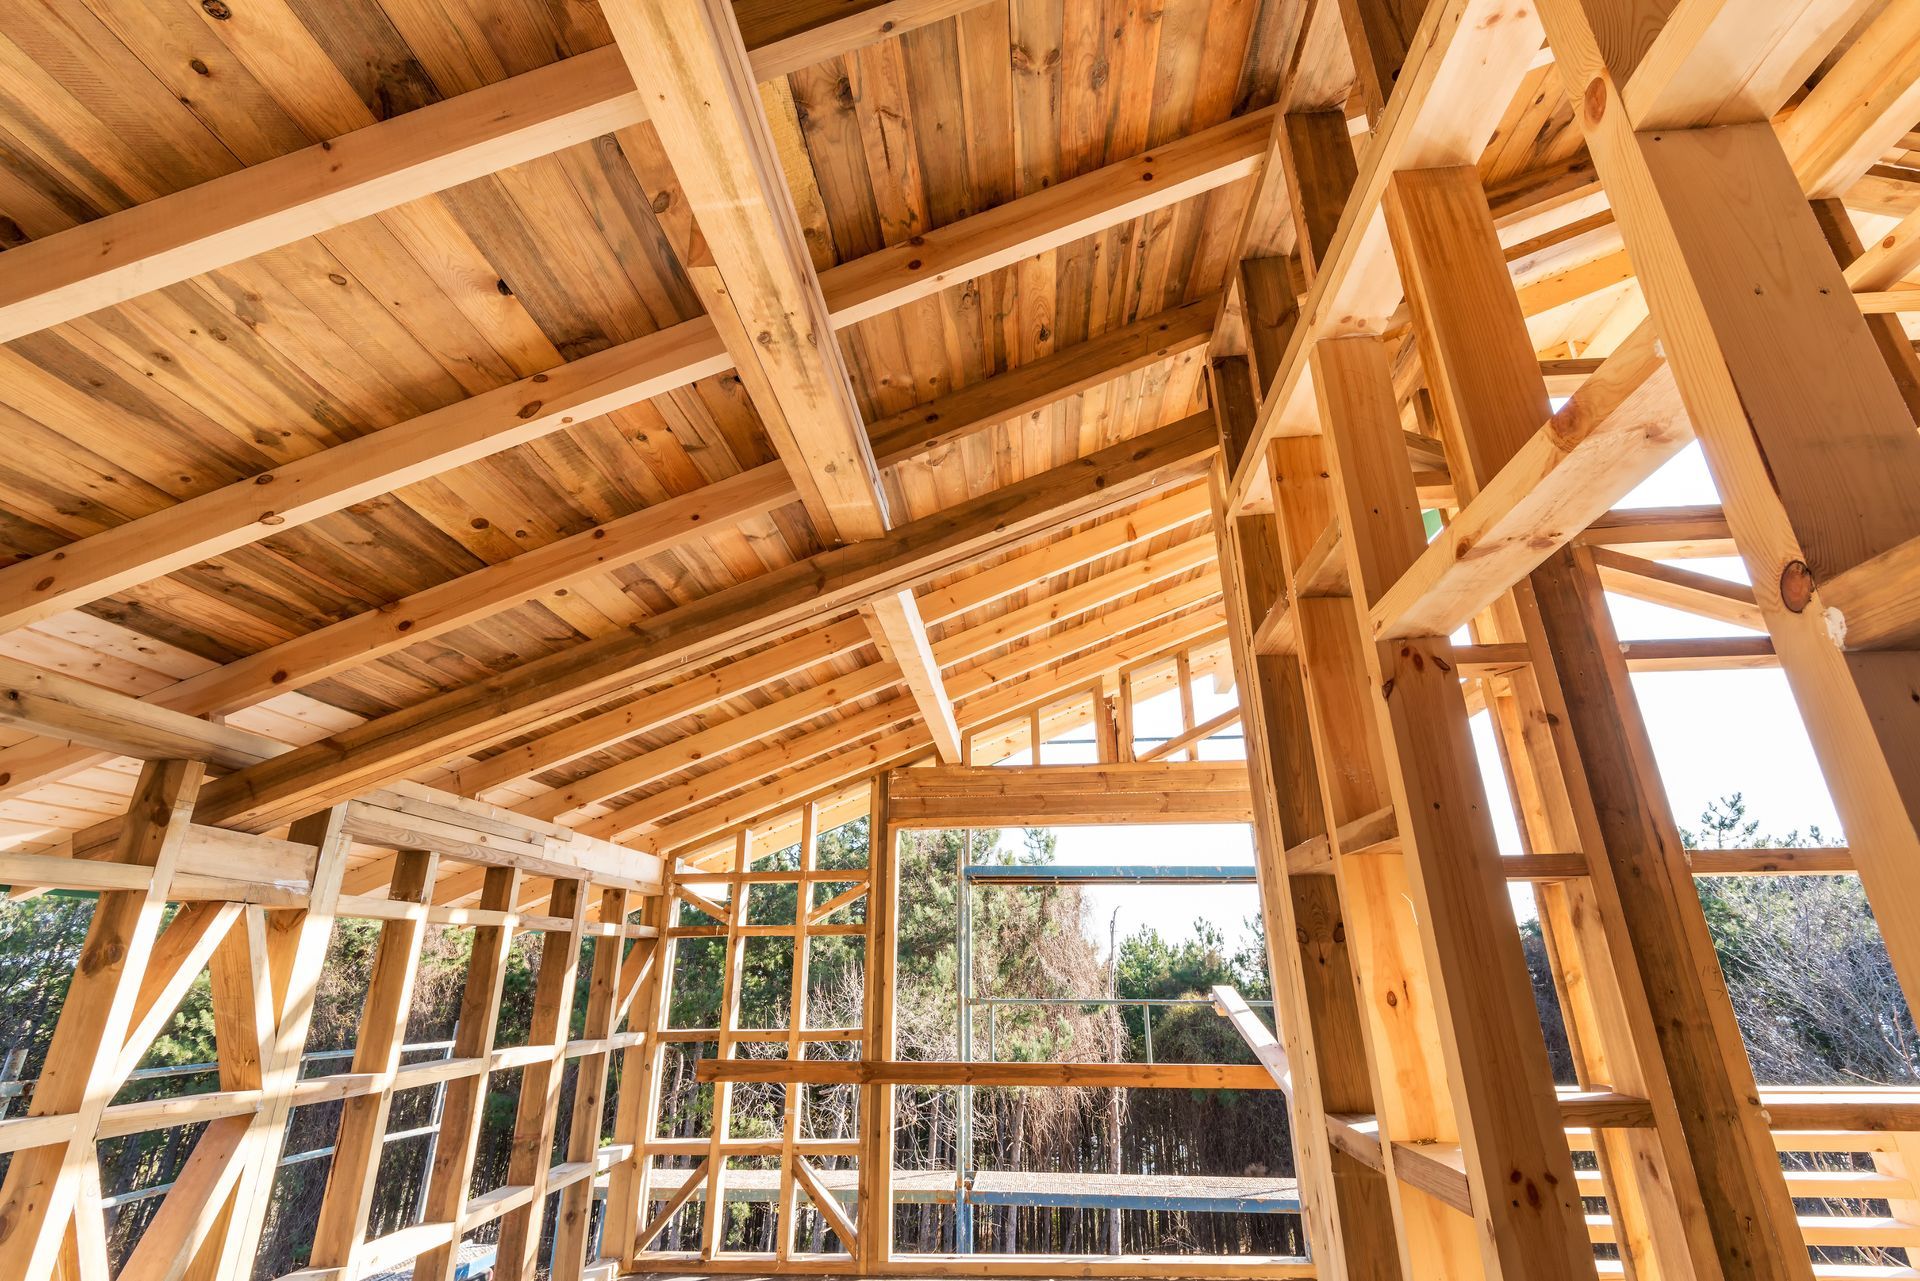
(1116, 874)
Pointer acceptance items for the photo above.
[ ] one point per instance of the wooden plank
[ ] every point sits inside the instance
(1488, 1033)
(360, 469)
(715, 740)
(296, 944)
(340, 1233)
(932, 1073)
(463, 1103)
(61, 707)
(902, 636)
(1618, 428)
(388, 746)
(570, 1227)
(1070, 795)
(1717, 62)
(1676, 588)
(1463, 60)
(536, 1110)
(1488, 395)
(878, 1040)
(1649, 905)
(504, 417)
(650, 711)
(758, 280)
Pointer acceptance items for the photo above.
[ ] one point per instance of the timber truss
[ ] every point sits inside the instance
(555, 607)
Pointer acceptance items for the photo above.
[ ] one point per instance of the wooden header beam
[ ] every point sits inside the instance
(1070, 795)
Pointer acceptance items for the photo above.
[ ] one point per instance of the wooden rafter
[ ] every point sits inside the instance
(902, 636)
(754, 274)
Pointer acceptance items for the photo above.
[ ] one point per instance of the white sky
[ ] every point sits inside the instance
(1713, 732)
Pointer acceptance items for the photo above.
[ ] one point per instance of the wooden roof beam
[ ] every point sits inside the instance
(715, 740)
(55, 705)
(1136, 525)
(684, 697)
(1616, 430)
(304, 193)
(248, 511)
(902, 636)
(373, 634)
(751, 265)
(1714, 62)
(391, 746)
(1862, 107)
(669, 805)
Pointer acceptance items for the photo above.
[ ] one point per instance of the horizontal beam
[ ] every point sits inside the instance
(1126, 1076)
(1623, 423)
(1069, 795)
(1089, 654)
(1117, 874)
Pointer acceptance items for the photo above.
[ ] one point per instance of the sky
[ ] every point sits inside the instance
(1714, 733)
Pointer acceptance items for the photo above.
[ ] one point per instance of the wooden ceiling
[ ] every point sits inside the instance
(393, 420)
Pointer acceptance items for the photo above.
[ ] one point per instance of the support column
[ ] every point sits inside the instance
(1526, 1212)
(465, 1101)
(875, 1215)
(1490, 401)
(1345, 1201)
(516, 1258)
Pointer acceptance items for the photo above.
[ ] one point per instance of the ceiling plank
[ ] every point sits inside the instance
(684, 697)
(686, 830)
(356, 175)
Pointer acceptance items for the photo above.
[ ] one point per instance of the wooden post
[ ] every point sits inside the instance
(296, 942)
(1345, 1202)
(465, 1104)
(1526, 1208)
(713, 1225)
(81, 1073)
(629, 1184)
(341, 1231)
(590, 1091)
(875, 1223)
(786, 1210)
(1705, 1102)
(1808, 438)
(1490, 400)
(534, 1118)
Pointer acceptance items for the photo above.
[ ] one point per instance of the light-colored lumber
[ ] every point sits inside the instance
(756, 279)
(901, 635)
(1745, 293)
(1496, 1065)
(1069, 795)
